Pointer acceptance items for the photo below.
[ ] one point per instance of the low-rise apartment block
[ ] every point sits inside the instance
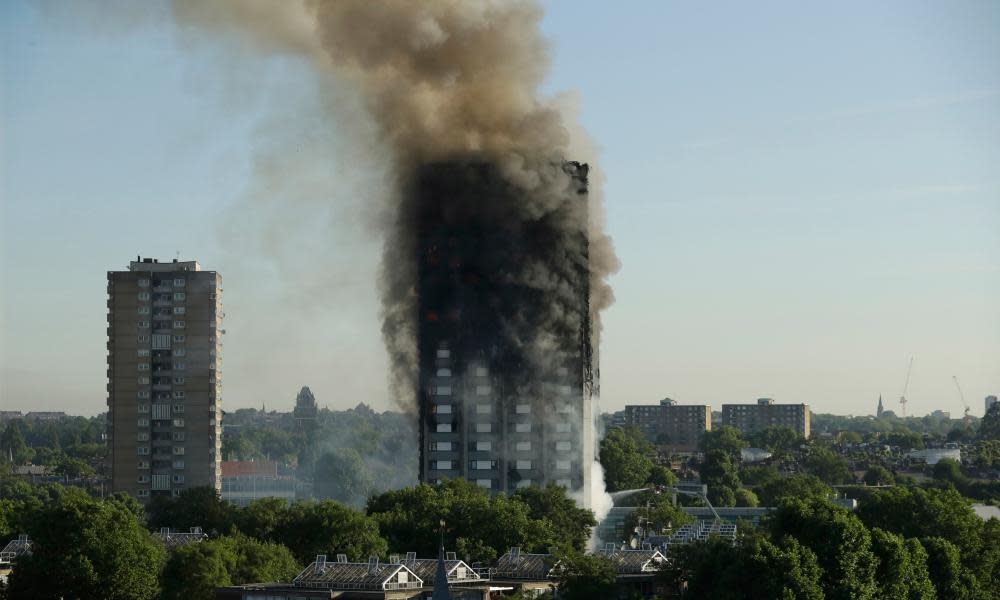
(678, 426)
(751, 418)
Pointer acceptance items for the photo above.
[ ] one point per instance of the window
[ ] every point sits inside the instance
(142, 479)
(444, 372)
(143, 296)
(482, 465)
(179, 310)
(178, 450)
(443, 390)
(143, 380)
(179, 296)
(441, 465)
(444, 353)
(143, 366)
(562, 427)
(142, 352)
(143, 394)
(143, 283)
(564, 446)
(441, 446)
(484, 446)
(178, 479)
(142, 464)
(178, 283)
(142, 436)
(143, 339)
(175, 493)
(482, 390)
(484, 427)
(161, 341)
(178, 408)
(143, 310)
(178, 422)
(522, 427)
(486, 483)
(142, 493)
(161, 411)
(564, 390)
(142, 324)
(444, 428)
(523, 446)
(180, 351)
(178, 338)
(161, 482)
(179, 366)
(144, 408)
(564, 483)
(179, 380)
(178, 324)
(523, 465)
(564, 409)
(178, 464)
(523, 409)
(142, 450)
(562, 465)
(481, 371)
(179, 394)
(443, 409)
(562, 371)
(483, 409)
(178, 436)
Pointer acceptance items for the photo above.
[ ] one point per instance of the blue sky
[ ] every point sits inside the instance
(802, 198)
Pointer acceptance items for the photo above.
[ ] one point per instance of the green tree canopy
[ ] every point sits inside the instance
(878, 475)
(902, 567)
(567, 521)
(989, 428)
(341, 475)
(723, 438)
(830, 467)
(623, 457)
(86, 548)
(195, 507)
(584, 576)
(951, 578)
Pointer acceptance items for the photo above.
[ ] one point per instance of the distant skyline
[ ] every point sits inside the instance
(802, 198)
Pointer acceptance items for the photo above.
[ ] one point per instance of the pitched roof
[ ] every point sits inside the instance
(357, 576)
(519, 565)
(19, 546)
(633, 562)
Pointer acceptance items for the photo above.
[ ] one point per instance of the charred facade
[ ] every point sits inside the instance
(506, 367)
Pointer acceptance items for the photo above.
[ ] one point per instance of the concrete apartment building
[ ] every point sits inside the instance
(489, 412)
(990, 401)
(751, 418)
(164, 378)
(677, 426)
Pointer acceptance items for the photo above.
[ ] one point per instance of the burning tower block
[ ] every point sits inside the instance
(506, 365)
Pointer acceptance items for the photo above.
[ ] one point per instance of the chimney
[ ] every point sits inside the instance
(372, 565)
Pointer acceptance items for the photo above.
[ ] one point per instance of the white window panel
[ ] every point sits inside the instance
(144, 408)
(178, 283)
(143, 380)
(442, 465)
(178, 436)
(142, 464)
(563, 465)
(178, 408)
(179, 352)
(143, 310)
(563, 427)
(482, 465)
(484, 446)
(143, 366)
(523, 409)
(161, 411)
(444, 428)
(178, 479)
(142, 324)
(178, 366)
(142, 479)
(486, 483)
(565, 390)
(179, 310)
(482, 390)
(179, 324)
(444, 409)
(443, 390)
(161, 341)
(178, 450)
(161, 482)
(178, 380)
(522, 427)
(142, 493)
(524, 483)
(143, 339)
(444, 372)
(179, 338)
(179, 394)
(484, 409)
(524, 446)
(143, 283)
(178, 422)
(142, 352)
(179, 296)
(143, 296)
(484, 427)
(444, 353)
(142, 450)
(564, 409)
(441, 446)
(142, 436)
(178, 464)
(523, 465)
(564, 446)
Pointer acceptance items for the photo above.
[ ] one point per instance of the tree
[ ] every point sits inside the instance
(756, 569)
(719, 474)
(902, 567)
(13, 444)
(723, 438)
(328, 527)
(658, 512)
(828, 466)
(195, 507)
(567, 521)
(341, 475)
(584, 576)
(951, 579)
(745, 497)
(840, 541)
(625, 463)
(661, 475)
(85, 548)
(779, 440)
(878, 475)
(989, 427)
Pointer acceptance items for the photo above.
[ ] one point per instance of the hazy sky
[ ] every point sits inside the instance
(802, 198)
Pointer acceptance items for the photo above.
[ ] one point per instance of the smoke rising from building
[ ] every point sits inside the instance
(443, 81)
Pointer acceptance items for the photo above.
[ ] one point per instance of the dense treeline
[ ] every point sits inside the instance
(73, 446)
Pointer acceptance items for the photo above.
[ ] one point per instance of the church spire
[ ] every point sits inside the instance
(881, 410)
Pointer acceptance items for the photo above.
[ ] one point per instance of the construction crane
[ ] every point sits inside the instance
(906, 385)
(965, 418)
